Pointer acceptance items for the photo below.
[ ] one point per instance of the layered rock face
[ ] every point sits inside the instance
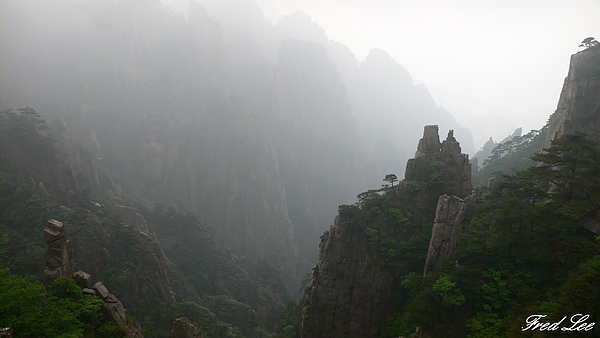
(449, 222)
(131, 217)
(60, 261)
(578, 107)
(60, 257)
(29, 155)
(183, 328)
(443, 160)
(359, 263)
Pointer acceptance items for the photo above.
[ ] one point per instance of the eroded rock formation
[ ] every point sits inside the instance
(578, 107)
(60, 261)
(183, 328)
(111, 304)
(355, 278)
(131, 217)
(60, 257)
(433, 157)
(449, 222)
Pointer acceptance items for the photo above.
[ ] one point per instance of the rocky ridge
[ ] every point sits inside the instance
(183, 328)
(114, 242)
(60, 261)
(578, 108)
(361, 257)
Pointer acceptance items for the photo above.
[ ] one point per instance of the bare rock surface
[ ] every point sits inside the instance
(352, 285)
(449, 222)
(183, 328)
(111, 304)
(59, 256)
(578, 108)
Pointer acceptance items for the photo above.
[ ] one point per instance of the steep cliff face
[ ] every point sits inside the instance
(117, 245)
(449, 222)
(578, 107)
(195, 114)
(29, 155)
(380, 239)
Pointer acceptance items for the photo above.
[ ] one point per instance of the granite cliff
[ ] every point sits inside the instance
(122, 245)
(375, 242)
(578, 108)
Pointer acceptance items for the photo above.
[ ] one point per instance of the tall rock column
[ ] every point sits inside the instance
(60, 257)
(578, 108)
(364, 254)
(449, 222)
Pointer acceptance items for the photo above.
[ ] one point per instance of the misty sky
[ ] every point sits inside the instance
(495, 65)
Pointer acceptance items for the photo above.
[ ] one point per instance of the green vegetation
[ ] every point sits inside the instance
(62, 311)
(390, 178)
(524, 252)
(510, 156)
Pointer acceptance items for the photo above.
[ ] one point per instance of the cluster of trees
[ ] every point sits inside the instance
(589, 42)
(524, 252)
(61, 310)
(511, 156)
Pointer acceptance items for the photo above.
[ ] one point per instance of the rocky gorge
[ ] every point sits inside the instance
(198, 163)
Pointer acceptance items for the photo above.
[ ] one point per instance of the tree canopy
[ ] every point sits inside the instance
(523, 252)
(589, 42)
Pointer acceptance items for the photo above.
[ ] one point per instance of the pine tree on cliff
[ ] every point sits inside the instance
(589, 42)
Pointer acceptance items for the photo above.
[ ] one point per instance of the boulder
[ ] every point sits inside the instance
(183, 328)
(83, 279)
(111, 304)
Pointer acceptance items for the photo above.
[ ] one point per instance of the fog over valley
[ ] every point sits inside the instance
(275, 168)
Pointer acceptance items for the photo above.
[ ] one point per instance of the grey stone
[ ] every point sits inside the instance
(449, 222)
(59, 256)
(101, 290)
(183, 328)
(83, 279)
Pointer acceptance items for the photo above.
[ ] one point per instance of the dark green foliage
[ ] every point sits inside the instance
(222, 293)
(521, 253)
(23, 213)
(511, 156)
(391, 178)
(22, 219)
(210, 324)
(290, 324)
(63, 311)
(570, 170)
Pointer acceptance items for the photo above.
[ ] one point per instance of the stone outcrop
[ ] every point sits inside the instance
(354, 280)
(134, 330)
(147, 279)
(183, 328)
(446, 157)
(578, 108)
(350, 291)
(111, 304)
(6, 332)
(131, 217)
(60, 261)
(83, 279)
(450, 221)
(59, 256)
